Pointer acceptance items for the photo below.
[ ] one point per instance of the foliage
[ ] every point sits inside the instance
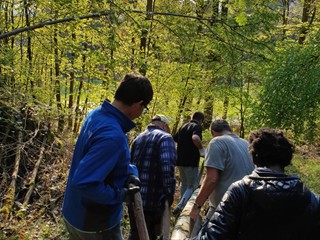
(290, 93)
(254, 63)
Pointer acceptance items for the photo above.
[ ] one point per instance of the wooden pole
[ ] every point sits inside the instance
(165, 222)
(139, 216)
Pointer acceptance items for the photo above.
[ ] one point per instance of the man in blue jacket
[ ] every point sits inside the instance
(100, 171)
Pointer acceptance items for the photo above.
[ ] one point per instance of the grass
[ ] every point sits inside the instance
(308, 170)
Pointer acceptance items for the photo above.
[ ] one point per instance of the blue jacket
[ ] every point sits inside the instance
(100, 166)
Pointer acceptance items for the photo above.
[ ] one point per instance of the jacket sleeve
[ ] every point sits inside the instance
(94, 167)
(168, 156)
(133, 170)
(224, 224)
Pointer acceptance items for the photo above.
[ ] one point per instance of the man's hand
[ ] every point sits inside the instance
(134, 180)
(132, 186)
(194, 213)
(202, 152)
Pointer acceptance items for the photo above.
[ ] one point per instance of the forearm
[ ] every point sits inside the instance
(197, 141)
(206, 189)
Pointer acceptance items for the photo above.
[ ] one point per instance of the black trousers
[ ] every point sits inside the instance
(153, 221)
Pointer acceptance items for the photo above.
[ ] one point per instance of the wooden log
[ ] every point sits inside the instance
(7, 206)
(182, 227)
(165, 222)
(139, 216)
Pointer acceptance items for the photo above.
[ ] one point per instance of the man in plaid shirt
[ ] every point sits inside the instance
(154, 154)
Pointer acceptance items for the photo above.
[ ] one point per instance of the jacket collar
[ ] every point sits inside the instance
(125, 123)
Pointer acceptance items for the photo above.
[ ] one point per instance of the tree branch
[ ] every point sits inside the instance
(40, 25)
(88, 16)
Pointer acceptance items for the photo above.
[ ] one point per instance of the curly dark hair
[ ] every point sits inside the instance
(270, 147)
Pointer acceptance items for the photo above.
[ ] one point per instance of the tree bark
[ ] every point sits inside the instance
(285, 14)
(57, 81)
(77, 109)
(307, 17)
(29, 50)
(71, 86)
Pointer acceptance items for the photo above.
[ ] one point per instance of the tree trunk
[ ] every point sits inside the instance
(285, 14)
(71, 86)
(6, 209)
(29, 50)
(32, 181)
(224, 8)
(143, 39)
(215, 11)
(78, 118)
(225, 108)
(208, 109)
(184, 98)
(308, 14)
(57, 81)
(181, 229)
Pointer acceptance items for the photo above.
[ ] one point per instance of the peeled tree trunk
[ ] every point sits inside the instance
(182, 227)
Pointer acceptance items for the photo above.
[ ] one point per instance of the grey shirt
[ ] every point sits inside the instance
(230, 155)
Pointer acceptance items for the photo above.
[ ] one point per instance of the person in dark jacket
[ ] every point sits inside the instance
(267, 204)
(100, 171)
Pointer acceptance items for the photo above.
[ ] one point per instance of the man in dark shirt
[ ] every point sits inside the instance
(189, 148)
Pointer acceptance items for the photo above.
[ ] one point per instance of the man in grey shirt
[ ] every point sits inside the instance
(227, 160)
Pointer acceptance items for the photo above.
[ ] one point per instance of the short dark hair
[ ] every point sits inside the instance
(134, 88)
(198, 116)
(270, 147)
(220, 126)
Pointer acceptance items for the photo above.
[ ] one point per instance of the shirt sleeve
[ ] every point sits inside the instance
(216, 155)
(168, 156)
(197, 131)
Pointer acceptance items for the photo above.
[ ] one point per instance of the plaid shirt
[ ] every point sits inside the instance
(154, 154)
